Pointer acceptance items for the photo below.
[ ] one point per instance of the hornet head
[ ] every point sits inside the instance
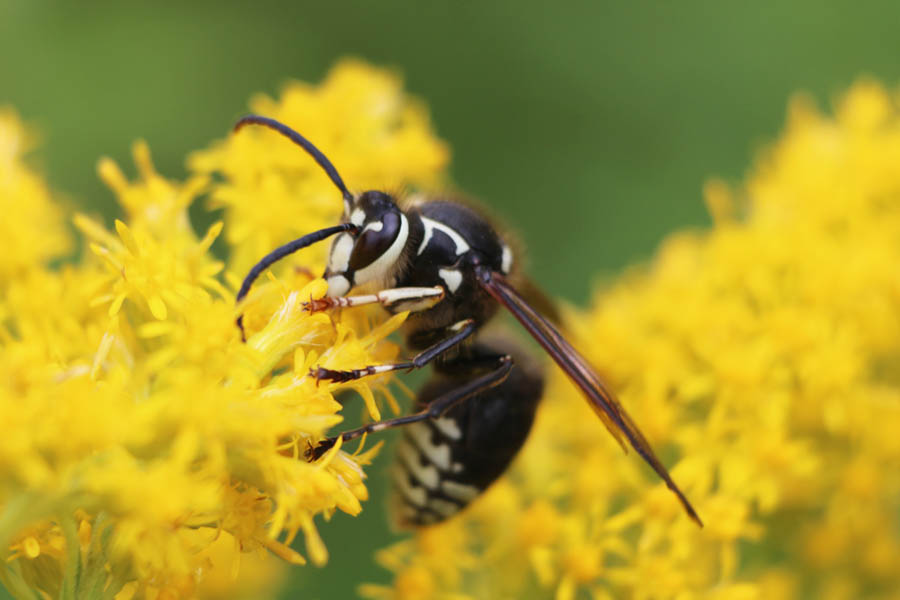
(372, 250)
(371, 237)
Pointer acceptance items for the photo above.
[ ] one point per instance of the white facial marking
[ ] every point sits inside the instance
(430, 225)
(374, 226)
(452, 278)
(460, 491)
(357, 217)
(384, 262)
(507, 262)
(437, 454)
(340, 253)
(411, 493)
(337, 286)
(457, 467)
(427, 474)
(448, 427)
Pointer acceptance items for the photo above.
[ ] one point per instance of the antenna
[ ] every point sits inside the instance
(304, 143)
(279, 253)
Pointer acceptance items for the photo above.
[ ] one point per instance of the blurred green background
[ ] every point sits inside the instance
(589, 126)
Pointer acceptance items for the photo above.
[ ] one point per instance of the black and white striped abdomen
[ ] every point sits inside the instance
(429, 484)
(444, 464)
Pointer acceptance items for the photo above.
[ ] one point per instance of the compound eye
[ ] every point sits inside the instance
(376, 238)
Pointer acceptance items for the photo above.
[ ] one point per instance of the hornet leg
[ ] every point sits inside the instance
(435, 409)
(459, 332)
(425, 297)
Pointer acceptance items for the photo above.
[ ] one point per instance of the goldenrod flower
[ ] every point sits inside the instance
(144, 447)
(762, 358)
(26, 200)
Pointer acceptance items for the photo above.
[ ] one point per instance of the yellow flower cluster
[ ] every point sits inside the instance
(359, 118)
(144, 447)
(762, 359)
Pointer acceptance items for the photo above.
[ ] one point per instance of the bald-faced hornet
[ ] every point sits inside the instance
(447, 265)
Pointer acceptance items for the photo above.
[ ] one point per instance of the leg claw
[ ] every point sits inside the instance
(318, 304)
